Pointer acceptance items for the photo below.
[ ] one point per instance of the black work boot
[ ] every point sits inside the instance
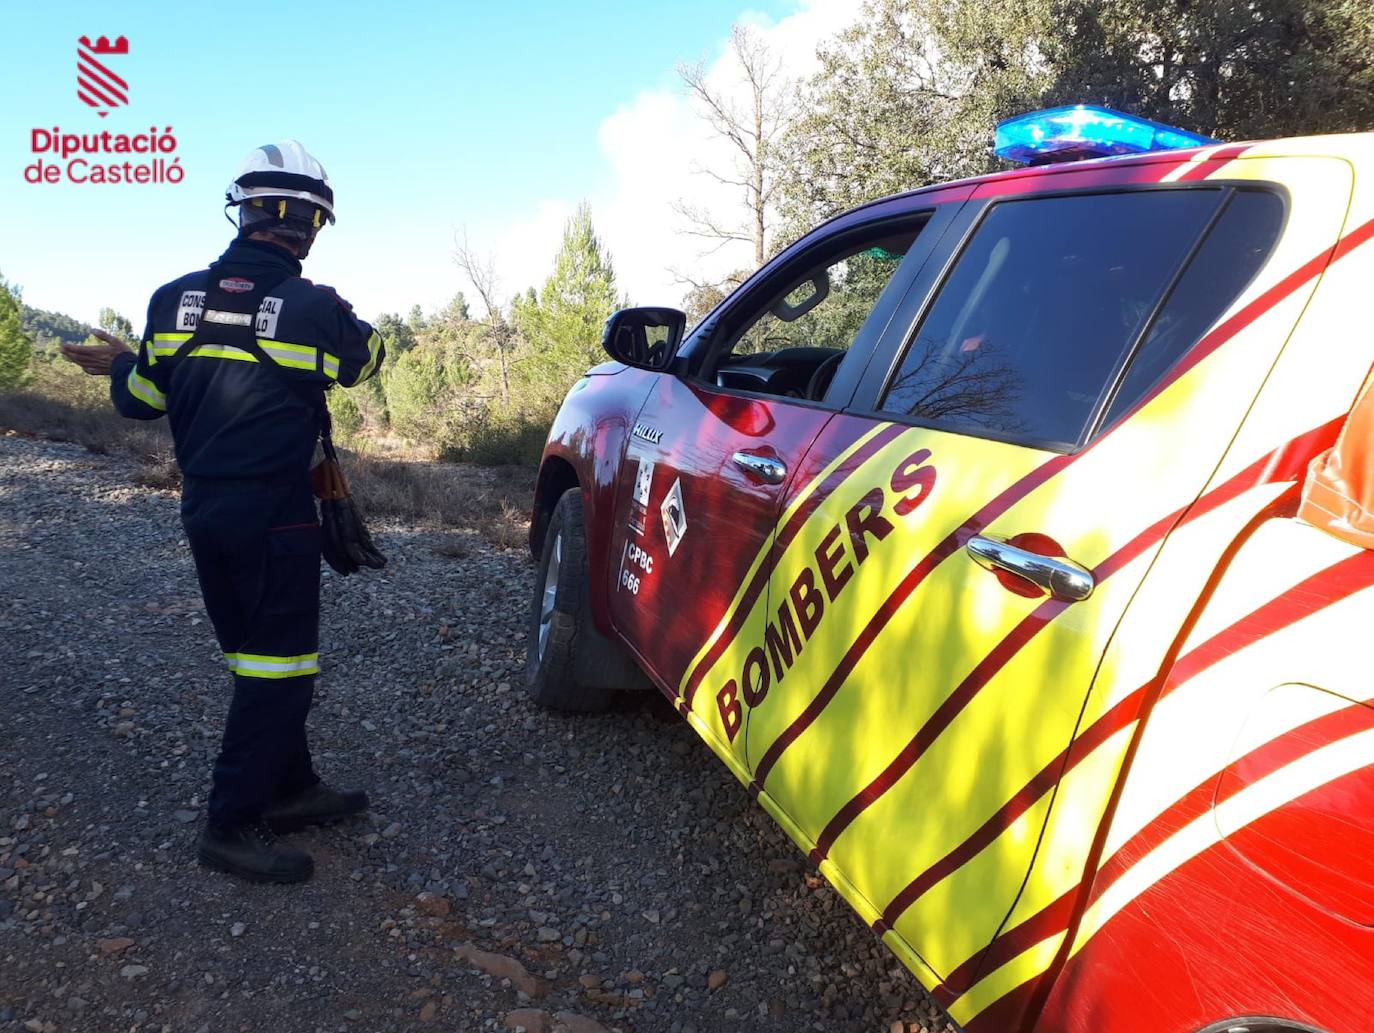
(253, 852)
(317, 805)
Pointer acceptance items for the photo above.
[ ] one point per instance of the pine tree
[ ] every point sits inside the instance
(400, 336)
(16, 351)
(416, 319)
(564, 325)
(112, 322)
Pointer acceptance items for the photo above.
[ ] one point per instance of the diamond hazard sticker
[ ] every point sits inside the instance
(674, 516)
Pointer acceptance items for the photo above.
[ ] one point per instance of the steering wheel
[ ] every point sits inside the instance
(820, 380)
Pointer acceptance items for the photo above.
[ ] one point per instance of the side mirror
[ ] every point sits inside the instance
(644, 337)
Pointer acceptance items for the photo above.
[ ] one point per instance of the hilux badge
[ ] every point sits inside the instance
(650, 434)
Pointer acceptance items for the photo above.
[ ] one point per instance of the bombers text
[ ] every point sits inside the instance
(842, 551)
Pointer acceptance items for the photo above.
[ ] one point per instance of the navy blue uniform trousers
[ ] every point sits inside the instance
(256, 545)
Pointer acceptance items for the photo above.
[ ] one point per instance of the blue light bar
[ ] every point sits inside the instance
(1083, 131)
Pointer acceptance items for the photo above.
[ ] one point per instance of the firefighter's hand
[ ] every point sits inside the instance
(96, 359)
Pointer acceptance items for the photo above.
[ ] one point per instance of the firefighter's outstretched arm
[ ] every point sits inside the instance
(97, 359)
(132, 390)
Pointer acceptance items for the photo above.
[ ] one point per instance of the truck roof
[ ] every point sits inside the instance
(1357, 148)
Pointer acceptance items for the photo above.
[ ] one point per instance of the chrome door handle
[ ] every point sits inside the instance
(765, 468)
(1062, 578)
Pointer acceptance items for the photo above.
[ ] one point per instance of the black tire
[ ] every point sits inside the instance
(569, 665)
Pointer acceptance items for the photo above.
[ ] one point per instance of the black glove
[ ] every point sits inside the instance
(345, 541)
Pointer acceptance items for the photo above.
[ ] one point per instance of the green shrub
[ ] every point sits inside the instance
(415, 395)
(58, 379)
(370, 399)
(501, 437)
(345, 414)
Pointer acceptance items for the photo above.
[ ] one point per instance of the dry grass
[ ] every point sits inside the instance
(494, 501)
(101, 430)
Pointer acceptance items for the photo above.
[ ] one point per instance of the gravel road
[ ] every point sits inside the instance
(519, 869)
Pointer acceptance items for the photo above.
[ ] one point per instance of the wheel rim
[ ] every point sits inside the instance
(550, 593)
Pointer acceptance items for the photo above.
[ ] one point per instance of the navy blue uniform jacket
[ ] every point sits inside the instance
(230, 417)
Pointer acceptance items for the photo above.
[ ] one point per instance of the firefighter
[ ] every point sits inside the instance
(238, 357)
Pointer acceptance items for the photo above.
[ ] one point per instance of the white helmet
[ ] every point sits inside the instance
(283, 171)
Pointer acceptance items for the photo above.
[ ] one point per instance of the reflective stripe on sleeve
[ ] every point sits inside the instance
(374, 346)
(331, 366)
(256, 665)
(146, 391)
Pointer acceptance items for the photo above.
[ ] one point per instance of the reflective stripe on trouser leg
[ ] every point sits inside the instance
(255, 665)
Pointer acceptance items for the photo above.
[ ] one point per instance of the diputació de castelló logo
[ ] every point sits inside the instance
(99, 87)
(95, 158)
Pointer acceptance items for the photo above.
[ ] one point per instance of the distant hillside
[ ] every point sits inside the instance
(48, 329)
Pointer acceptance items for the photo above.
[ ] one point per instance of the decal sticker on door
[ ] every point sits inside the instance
(644, 481)
(674, 518)
(635, 566)
(639, 499)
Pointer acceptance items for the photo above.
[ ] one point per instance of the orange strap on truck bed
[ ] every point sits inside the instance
(1338, 495)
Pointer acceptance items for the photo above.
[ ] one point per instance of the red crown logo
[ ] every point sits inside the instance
(104, 46)
(96, 85)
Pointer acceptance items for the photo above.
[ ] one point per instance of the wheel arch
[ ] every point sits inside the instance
(556, 476)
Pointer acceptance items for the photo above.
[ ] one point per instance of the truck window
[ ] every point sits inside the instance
(1025, 336)
(791, 342)
(850, 286)
(1228, 260)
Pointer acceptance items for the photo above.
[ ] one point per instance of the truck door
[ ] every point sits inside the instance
(1047, 412)
(712, 453)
